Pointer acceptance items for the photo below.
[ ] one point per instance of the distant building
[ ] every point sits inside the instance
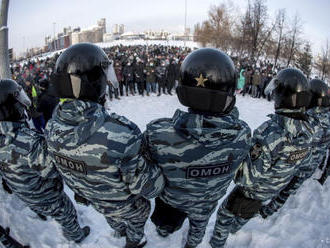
(118, 29)
(92, 34)
(154, 35)
(102, 23)
(73, 36)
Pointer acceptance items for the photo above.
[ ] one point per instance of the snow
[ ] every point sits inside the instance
(177, 43)
(304, 221)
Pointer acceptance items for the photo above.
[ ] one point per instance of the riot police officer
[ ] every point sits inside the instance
(97, 153)
(319, 116)
(26, 166)
(199, 150)
(280, 147)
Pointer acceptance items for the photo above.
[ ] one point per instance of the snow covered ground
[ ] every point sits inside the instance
(304, 222)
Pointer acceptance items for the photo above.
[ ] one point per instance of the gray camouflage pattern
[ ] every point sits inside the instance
(284, 145)
(320, 120)
(185, 144)
(25, 165)
(98, 156)
(282, 149)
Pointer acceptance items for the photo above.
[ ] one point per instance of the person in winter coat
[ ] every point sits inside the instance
(128, 74)
(150, 78)
(256, 80)
(161, 77)
(46, 101)
(171, 76)
(139, 76)
(241, 81)
(200, 150)
(120, 78)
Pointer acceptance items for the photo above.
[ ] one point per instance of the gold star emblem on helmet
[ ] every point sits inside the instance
(200, 80)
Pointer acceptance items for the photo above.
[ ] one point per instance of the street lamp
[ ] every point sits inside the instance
(54, 25)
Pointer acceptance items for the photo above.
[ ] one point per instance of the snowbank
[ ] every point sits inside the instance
(304, 222)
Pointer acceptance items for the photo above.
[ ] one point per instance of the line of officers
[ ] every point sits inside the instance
(186, 162)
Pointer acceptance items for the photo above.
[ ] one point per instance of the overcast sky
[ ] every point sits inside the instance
(29, 21)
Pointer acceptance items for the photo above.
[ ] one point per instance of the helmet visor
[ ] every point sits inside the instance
(109, 71)
(22, 97)
(271, 87)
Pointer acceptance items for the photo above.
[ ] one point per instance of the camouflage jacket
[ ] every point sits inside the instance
(280, 147)
(98, 156)
(198, 154)
(320, 119)
(25, 164)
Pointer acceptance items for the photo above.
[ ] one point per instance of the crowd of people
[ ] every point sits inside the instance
(139, 69)
(142, 70)
(185, 162)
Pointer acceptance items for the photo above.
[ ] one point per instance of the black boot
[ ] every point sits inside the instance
(120, 234)
(6, 187)
(130, 244)
(86, 231)
(189, 246)
(42, 217)
(163, 232)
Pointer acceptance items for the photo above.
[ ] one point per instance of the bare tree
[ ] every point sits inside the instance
(4, 55)
(255, 32)
(322, 63)
(304, 60)
(280, 19)
(242, 37)
(217, 29)
(293, 41)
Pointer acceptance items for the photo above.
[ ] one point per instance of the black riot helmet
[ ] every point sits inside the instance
(320, 93)
(208, 81)
(13, 101)
(290, 89)
(80, 73)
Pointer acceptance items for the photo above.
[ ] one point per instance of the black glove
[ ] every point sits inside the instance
(242, 206)
(58, 184)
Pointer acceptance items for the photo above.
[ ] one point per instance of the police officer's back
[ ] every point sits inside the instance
(319, 113)
(199, 150)
(26, 166)
(280, 147)
(98, 153)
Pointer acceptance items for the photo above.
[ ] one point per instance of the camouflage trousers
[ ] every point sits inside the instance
(277, 202)
(226, 223)
(64, 213)
(197, 227)
(128, 220)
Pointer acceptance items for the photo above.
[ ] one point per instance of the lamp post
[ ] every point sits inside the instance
(4, 53)
(185, 23)
(54, 25)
